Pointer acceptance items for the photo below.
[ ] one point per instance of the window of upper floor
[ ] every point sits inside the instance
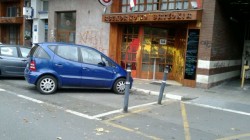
(12, 11)
(158, 5)
(45, 5)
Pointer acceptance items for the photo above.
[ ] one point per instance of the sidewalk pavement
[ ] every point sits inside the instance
(228, 94)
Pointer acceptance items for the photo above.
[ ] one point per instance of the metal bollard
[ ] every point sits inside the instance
(163, 84)
(127, 87)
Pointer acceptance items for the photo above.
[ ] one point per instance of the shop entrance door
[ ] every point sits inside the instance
(130, 49)
(157, 52)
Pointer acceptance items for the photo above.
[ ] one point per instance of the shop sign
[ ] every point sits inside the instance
(149, 17)
(106, 2)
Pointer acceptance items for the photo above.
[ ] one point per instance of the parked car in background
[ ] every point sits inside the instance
(13, 60)
(57, 65)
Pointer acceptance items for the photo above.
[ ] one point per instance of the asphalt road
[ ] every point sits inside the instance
(80, 114)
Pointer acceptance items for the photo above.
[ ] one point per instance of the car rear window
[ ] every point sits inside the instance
(39, 52)
(33, 50)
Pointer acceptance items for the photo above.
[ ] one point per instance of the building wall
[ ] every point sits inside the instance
(90, 30)
(38, 31)
(16, 20)
(220, 49)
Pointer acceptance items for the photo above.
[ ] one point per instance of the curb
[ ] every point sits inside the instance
(169, 96)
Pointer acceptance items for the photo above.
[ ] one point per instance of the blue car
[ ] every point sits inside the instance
(57, 65)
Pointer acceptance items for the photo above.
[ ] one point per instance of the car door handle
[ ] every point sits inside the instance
(24, 60)
(58, 65)
(85, 68)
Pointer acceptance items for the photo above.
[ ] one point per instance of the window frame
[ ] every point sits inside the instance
(156, 5)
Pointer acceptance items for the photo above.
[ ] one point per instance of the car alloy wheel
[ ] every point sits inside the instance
(119, 86)
(47, 84)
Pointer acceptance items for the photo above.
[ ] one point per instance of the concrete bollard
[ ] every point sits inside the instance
(127, 87)
(163, 84)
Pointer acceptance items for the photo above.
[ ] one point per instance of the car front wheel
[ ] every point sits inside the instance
(47, 84)
(119, 86)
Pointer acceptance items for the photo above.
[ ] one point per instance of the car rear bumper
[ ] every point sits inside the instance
(31, 77)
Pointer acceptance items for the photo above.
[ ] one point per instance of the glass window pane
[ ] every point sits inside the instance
(124, 9)
(178, 5)
(45, 5)
(9, 51)
(90, 56)
(149, 7)
(155, 7)
(164, 6)
(171, 6)
(42, 54)
(24, 52)
(124, 1)
(185, 5)
(68, 52)
(141, 8)
(66, 26)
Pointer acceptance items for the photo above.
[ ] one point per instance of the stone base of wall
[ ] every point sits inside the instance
(207, 86)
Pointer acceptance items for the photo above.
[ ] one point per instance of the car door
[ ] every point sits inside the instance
(23, 55)
(96, 70)
(10, 61)
(67, 66)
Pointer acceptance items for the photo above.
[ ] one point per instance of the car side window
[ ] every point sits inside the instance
(52, 48)
(9, 51)
(24, 51)
(107, 62)
(90, 56)
(40, 53)
(68, 52)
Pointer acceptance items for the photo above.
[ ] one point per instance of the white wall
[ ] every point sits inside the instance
(38, 22)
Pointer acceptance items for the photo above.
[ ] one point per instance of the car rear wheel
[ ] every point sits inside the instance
(47, 84)
(119, 86)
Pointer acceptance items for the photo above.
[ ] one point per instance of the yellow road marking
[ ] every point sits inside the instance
(185, 121)
(127, 114)
(108, 122)
(131, 130)
(235, 137)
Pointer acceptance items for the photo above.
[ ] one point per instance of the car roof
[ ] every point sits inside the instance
(8, 45)
(62, 43)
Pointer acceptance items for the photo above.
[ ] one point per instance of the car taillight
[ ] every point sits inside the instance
(32, 66)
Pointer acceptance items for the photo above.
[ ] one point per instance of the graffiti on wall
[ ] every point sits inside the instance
(93, 38)
(206, 43)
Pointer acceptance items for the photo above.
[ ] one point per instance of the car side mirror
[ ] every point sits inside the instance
(102, 64)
